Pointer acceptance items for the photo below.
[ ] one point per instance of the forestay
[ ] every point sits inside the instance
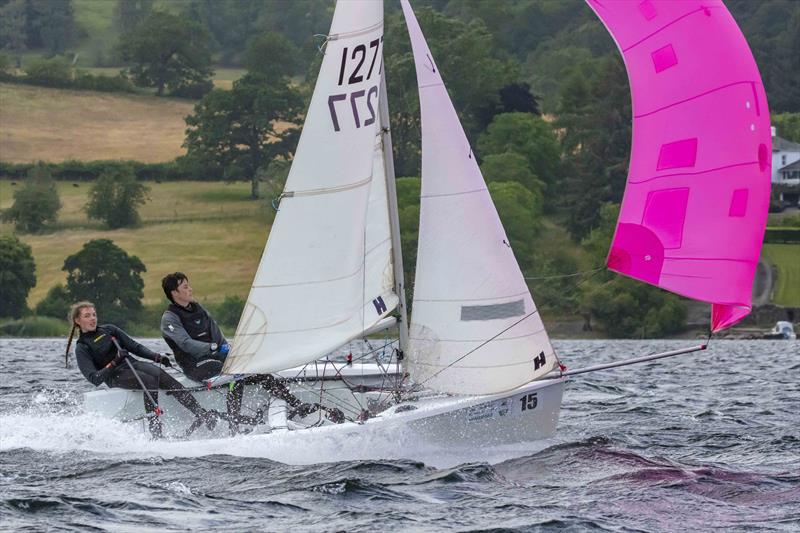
(695, 207)
(468, 286)
(326, 274)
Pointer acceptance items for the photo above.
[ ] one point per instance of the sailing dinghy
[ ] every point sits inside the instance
(478, 370)
(331, 272)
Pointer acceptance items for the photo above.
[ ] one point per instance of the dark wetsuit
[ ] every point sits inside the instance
(195, 339)
(96, 349)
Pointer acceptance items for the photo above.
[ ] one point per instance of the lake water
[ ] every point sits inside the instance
(699, 442)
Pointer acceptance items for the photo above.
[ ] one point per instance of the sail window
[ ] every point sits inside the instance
(738, 203)
(678, 154)
(648, 10)
(493, 311)
(665, 213)
(664, 58)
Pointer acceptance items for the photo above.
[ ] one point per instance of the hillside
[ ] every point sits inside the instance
(211, 231)
(55, 124)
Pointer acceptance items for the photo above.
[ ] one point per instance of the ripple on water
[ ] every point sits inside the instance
(704, 442)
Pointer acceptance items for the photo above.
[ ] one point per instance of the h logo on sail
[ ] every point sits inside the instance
(539, 361)
(380, 306)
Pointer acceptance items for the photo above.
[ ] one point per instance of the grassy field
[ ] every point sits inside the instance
(786, 257)
(55, 124)
(211, 231)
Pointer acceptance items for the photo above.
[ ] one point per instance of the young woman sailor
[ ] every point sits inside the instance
(103, 353)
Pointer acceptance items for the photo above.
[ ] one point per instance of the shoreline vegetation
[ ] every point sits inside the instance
(535, 118)
(215, 233)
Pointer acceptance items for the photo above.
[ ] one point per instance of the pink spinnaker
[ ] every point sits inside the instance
(695, 207)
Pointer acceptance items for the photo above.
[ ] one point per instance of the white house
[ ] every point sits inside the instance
(784, 155)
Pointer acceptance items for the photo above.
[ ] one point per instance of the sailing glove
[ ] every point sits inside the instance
(224, 349)
(119, 359)
(163, 360)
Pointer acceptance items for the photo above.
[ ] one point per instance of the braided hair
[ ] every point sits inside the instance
(74, 313)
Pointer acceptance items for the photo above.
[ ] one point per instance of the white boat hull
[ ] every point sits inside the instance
(439, 430)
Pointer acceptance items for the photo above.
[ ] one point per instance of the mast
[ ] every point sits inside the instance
(394, 218)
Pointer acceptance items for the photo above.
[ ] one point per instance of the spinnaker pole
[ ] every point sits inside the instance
(634, 360)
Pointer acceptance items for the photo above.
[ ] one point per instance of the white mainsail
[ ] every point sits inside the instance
(474, 326)
(326, 272)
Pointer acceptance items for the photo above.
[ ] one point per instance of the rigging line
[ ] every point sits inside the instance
(348, 385)
(481, 345)
(497, 335)
(574, 274)
(339, 403)
(322, 45)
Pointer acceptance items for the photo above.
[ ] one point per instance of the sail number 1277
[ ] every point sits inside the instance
(354, 70)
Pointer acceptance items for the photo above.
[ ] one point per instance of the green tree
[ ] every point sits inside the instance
(520, 215)
(529, 136)
(116, 196)
(622, 306)
(229, 311)
(13, 21)
(36, 204)
(272, 56)
(408, 190)
(236, 131)
(459, 48)
(55, 304)
(595, 121)
(129, 13)
(17, 276)
(105, 274)
(53, 72)
(512, 166)
(167, 51)
(787, 125)
(50, 24)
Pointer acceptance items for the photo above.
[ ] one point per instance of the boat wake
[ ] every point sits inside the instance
(53, 423)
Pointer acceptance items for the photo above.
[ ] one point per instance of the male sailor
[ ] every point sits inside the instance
(200, 348)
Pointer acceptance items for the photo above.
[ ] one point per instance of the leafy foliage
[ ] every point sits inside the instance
(772, 30)
(625, 307)
(17, 276)
(787, 125)
(519, 211)
(236, 131)
(628, 308)
(529, 136)
(53, 72)
(115, 198)
(272, 56)
(459, 48)
(55, 304)
(595, 118)
(36, 203)
(229, 311)
(129, 13)
(512, 166)
(105, 274)
(167, 51)
(408, 191)
(44, 24)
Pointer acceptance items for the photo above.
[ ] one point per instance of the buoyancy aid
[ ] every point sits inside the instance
(197, 323)
(100, 346)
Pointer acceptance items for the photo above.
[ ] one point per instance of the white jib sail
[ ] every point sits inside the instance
(474, 326)
(325, 276)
